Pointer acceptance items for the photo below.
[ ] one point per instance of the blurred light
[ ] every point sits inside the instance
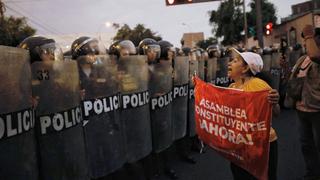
(108, 24)
(268, 32)
(170, 1)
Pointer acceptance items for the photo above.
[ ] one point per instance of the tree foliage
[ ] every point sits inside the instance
(227, 21)
(268, 12)
(14, 30)
(207, 42)
(136, 34)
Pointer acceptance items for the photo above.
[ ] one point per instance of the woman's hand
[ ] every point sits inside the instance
(273, 97)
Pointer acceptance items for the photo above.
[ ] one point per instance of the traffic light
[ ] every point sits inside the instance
(269, 28)
(252, 31)
(178, 2)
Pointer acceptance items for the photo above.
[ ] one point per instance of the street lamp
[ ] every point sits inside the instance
(107, 24)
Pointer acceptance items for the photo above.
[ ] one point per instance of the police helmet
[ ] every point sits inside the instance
(126, 48)
(213, 51)
(113, 48)
(186, 51)
(41, 48)
(85, 46)
(149, 45)
(166, 47)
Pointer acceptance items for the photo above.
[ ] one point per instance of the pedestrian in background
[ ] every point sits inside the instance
(303, 92)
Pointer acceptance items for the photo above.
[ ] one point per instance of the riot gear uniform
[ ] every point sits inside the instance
(56, 84)
(100, 106)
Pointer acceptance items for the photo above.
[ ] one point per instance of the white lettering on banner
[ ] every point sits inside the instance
(101, 105)
(161, 101)
(135, 100)
(224, 133)
(180, 91)
(59, 121)
(231, 122)
(225, 110)
(16, 123)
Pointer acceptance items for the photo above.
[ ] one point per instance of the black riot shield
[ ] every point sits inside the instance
(101, 115)
(211, 69)
(275, 70)
(180, 96)
(160, 88)
(135, 114)
(266, 62)
(59, 120)
(201, 68)
(222, 72)
(191, 124)
(17, 140)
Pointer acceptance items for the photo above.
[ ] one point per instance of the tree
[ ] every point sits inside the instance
(14, 30)
(227, 20)
(207, 42)
(136, 34)
(269, 14)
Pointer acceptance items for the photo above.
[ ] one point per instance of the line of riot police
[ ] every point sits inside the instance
(97, 113)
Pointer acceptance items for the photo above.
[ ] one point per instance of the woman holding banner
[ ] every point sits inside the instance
(244, 69)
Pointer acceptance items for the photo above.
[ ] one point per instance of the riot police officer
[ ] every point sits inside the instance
(103, 130)
(160, 88)
(55, 83)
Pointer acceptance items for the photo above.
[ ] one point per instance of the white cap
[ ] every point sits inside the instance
(253, 60)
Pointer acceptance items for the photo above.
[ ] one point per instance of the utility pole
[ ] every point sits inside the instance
(2, 10)
(245, 25)
(259, 23)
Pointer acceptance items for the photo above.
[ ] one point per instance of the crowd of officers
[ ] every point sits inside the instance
(121, 113)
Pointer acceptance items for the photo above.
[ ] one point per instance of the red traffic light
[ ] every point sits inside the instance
(269, 25)
(269, 28)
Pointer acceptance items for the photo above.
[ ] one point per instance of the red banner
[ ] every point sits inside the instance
(236, 124)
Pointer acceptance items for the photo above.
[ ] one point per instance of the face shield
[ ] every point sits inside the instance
(152, 51)
(50, 52)
(91, 52)
(171, 53)
(126, 48)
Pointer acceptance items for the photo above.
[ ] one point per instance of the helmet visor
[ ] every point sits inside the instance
(152, 49)
(50, 52)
